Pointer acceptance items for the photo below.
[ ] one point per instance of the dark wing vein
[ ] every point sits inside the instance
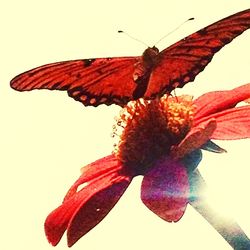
(91, 81)
(191, 54)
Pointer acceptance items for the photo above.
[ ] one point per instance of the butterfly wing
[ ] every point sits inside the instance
(90, 81)
(111, 80)
(184, 60)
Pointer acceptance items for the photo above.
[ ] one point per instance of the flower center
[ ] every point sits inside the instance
(147, 129)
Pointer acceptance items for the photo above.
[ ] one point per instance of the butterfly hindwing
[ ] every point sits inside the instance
(184, 60)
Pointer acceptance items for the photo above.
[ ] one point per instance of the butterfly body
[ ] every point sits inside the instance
(143, 68)
(119, 80)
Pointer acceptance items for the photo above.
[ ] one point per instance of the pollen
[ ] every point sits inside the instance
(179, 112)
(147, 129)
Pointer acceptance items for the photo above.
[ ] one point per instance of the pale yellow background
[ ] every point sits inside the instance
(47, 137)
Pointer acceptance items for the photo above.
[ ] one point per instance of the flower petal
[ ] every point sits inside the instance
(82, 210)
(93, 209)
(232, 124)
(94, 170)
(217, 101)
(165, 189)
(196, 137)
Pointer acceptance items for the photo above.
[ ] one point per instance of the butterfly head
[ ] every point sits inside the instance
(151, 51)
(150, 55)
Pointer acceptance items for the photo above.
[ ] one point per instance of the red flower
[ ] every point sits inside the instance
(156, 139)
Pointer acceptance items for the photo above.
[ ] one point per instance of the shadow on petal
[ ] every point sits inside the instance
(165, 189)
(95, 209)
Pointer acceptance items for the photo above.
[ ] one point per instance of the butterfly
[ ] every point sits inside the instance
(118, 80)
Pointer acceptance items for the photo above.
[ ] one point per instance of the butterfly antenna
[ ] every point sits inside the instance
(190, 19)
(134, 38)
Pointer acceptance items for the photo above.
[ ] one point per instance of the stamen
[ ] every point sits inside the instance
(148, 129)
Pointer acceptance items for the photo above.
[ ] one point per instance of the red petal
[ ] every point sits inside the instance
(214, 102)
(84, 209)
(94, 170)
(198, 136)
(165, 189)
(96, 206)
(232, 124)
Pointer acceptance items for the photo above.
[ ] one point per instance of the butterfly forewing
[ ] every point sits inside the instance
(90, 81)
(182, 62)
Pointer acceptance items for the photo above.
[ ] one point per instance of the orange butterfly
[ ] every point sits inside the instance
(119, 80)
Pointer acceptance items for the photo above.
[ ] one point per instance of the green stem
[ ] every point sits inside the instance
(228, 229)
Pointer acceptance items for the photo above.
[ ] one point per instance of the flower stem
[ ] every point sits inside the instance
(227, 228)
